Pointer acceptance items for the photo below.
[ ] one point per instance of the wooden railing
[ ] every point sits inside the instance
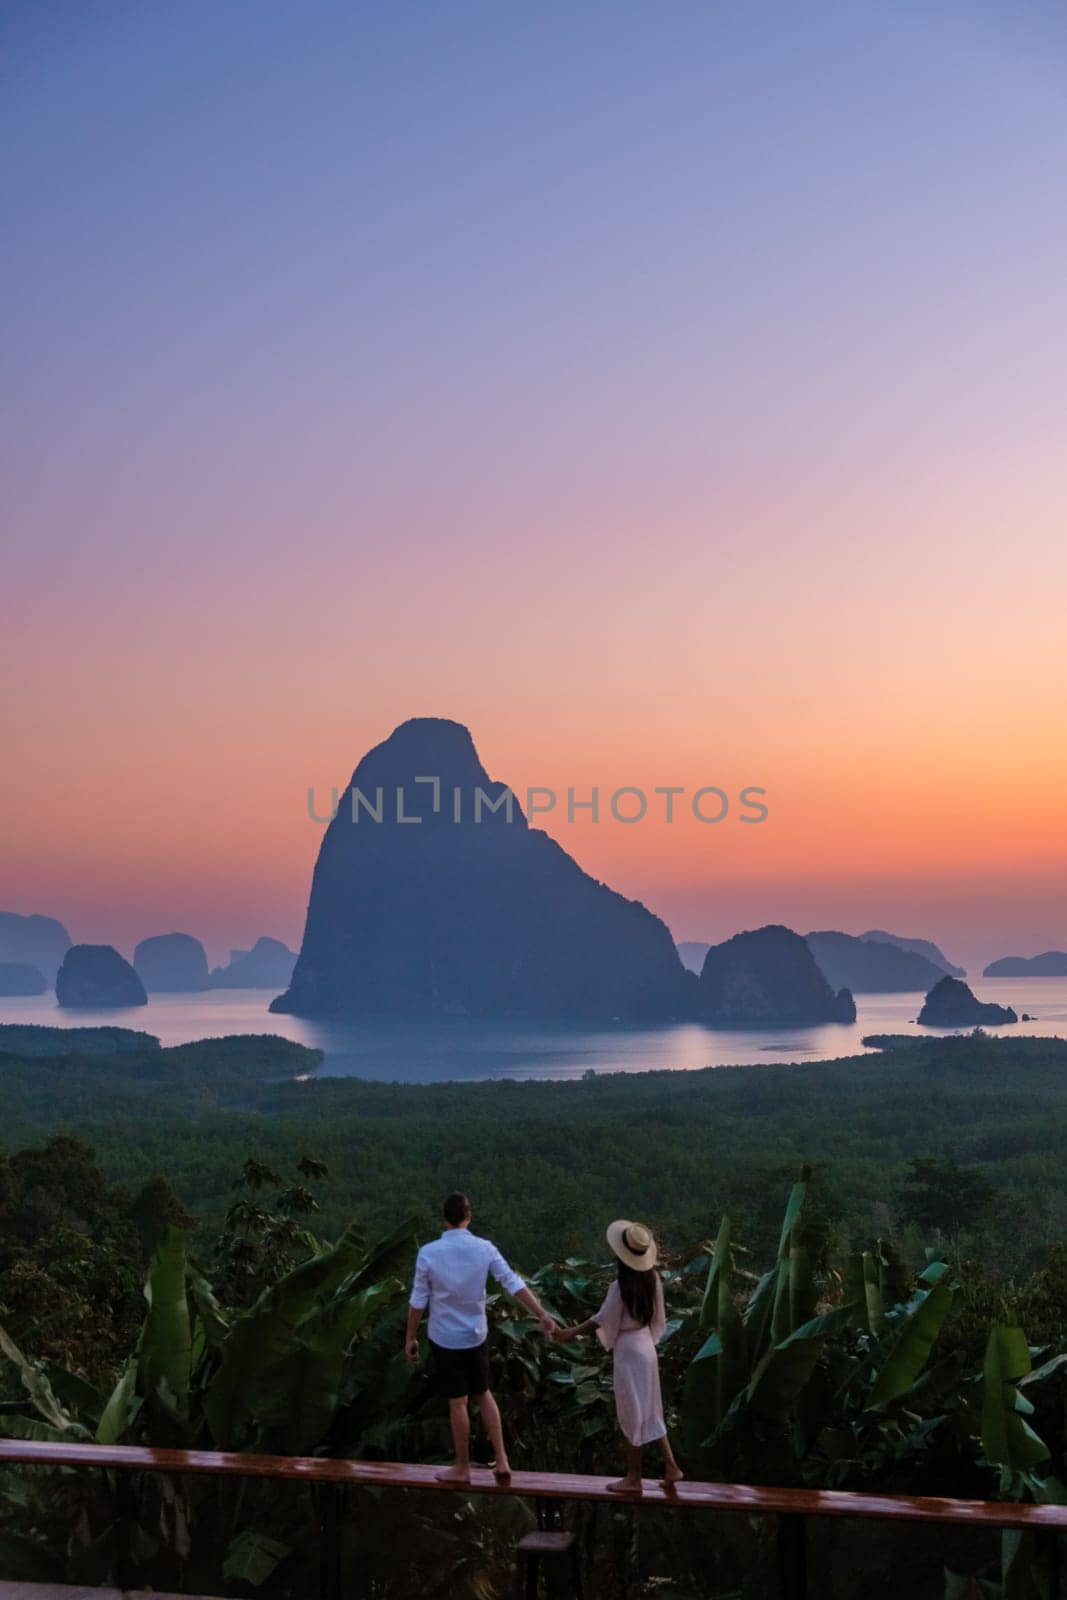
(790, 1506)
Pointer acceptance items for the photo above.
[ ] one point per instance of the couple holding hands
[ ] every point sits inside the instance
(450, 1280)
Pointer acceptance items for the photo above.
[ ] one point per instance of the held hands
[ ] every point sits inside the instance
(549, 1325)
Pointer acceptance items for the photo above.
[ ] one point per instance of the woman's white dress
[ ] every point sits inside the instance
(637, 1392)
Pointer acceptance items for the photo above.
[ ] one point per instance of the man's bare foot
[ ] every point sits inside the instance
(456, 1474)
(625, 1486)
(671, 1476)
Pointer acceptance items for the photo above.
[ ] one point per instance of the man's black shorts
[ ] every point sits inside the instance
(460, 1372)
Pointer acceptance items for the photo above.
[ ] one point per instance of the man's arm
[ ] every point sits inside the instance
(510, 1280)
(411, 1337)
(420, 1299)
(527, 1298)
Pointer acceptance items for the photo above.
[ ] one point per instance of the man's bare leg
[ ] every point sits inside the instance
(495, 1429)
(631, 1484)
(459, 1418)
(672, 1472)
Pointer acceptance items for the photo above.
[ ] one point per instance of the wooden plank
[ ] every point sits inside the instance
(733, 1497)
(56, 1591)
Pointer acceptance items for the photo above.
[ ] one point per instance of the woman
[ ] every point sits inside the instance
(631, 1323)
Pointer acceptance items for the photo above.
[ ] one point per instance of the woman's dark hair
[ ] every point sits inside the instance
(638, 1290)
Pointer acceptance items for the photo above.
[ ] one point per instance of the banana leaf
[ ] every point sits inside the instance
(962, 1586)
(861, 1290)
(719, 1270)
(1008, 1440)
(1043, 1372)
(35, 1382)
(166, 1343)
(209, 1313)
(911, 1343)
(73, 1391)
(385, 1257)
(719, 1369)
(121, 1408)
(767, 1318)
(253, 1557)
(303, 1393)
(800, 1285)
(16, 1425)
(264, 1337)
(783, 1371)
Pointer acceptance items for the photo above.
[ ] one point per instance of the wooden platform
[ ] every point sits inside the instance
(58, 1591)
(688, 1496)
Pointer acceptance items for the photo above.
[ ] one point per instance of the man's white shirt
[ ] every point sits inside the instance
(450, 1278)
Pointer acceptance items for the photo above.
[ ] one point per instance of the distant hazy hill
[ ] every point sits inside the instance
(768, 976)
(1053, 964)
(26, 1039)
(862, 965)
(21, 977)
(268, 965)
(871, 966)
(171, 963)
(951, 1004)
(691, 952)
(486, 918)
(919, 947)
(40, 941)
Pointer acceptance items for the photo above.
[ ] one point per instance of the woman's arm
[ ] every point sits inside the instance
(580, 1328)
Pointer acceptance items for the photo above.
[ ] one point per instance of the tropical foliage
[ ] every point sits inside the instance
(816, 1371)
(960, 1144)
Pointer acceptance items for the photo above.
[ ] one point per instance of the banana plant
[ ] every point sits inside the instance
(1014, 1448)
(720, 1367)
(164, 1362)
(313, 1313)
(41, 1415)
(272, 1377)
(833, 1382)
(908, 1338)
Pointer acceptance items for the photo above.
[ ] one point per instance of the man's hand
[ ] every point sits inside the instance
(411, 1350)
(549, 1325)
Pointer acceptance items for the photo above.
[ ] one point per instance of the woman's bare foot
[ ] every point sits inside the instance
(456, 1474)
(502, 1469)
(671, 1475)
(625, 1485)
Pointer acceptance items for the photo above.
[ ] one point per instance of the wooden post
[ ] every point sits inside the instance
(122, 1504)
(331, 1498)
(1048, 1538)
(792, 1557)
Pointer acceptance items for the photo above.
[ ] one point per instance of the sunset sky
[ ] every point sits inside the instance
(674, 393)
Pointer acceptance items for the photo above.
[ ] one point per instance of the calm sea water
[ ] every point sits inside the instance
(433, 1051)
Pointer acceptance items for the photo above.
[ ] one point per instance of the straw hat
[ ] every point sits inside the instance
(633, 1244)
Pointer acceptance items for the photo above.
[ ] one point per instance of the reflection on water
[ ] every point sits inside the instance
(432, 1051)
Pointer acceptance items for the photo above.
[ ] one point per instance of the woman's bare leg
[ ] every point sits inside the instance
(631, 1484)
(672, 1472)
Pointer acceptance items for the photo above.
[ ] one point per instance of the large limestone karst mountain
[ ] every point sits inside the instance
(487, 918)
(96, 975)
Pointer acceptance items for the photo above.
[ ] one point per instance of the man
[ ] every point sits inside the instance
(450, 1278)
